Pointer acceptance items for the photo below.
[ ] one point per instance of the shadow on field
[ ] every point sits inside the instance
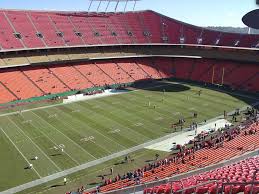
(118, 163)
(55, 154)
(57, 185)
(93, 183)
(168, 86)
(147, 161)
(160, 86)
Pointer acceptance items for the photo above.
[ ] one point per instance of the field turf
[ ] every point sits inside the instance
(89, 130)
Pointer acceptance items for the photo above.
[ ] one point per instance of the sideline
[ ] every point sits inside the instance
(101, 160)
(158, 86)
(106, 158)
(63, 104)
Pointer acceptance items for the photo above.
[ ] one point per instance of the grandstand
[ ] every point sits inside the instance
(83, 92)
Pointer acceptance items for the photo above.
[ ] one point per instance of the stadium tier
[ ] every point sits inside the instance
(59, 57)
(226, 146)
(35, 81)
(39, 29)
(241, 172)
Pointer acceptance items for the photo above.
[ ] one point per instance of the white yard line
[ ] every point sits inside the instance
(36, 145)
(96, 131)
(158, 86)
(140, 118)
(83, 166)
(28, 162)
(62, 104)
(117, 123)
(92, 163)
(73, 129)
(45, 135)
(66, 137)
(95, 162)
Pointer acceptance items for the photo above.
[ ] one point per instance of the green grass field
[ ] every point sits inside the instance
(89, 130)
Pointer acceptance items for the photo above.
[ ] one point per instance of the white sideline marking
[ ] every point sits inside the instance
(28, 162)
(158, 86)
(81, 97)
(92, 163)
(35, 145)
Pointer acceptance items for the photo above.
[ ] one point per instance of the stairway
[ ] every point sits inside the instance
(10, 91)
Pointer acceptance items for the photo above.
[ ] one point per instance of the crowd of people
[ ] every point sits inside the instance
(187, 152)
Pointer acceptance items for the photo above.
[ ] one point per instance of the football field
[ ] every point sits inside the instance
(68, 135)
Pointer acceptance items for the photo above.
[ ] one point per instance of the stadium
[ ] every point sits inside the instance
(126, 102)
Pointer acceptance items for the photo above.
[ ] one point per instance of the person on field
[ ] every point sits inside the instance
(157, 156)
(65, 181)
(199, 92)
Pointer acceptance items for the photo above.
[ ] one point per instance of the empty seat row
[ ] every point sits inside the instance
(244, 171)
(34, 29)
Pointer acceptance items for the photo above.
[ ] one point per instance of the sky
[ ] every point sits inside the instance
(196, 12)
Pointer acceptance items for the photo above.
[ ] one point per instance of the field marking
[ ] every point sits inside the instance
(28, 162)
(48, 188)
(158, 118)
(113, 131)
(117, 123)
(83, 166)
(93, 163)
(96, 131)
(138, 124)
(68, 115)
(139, 118)
(35, 145)
(44, 134)
(65, 136)
(132, 91)
(86, 139)
(151, 108)
(75, 111)
(55, 115)
(36, 137)
(26, 121)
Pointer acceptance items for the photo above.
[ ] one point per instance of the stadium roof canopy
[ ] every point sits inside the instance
(251, 19)
(109, 1)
